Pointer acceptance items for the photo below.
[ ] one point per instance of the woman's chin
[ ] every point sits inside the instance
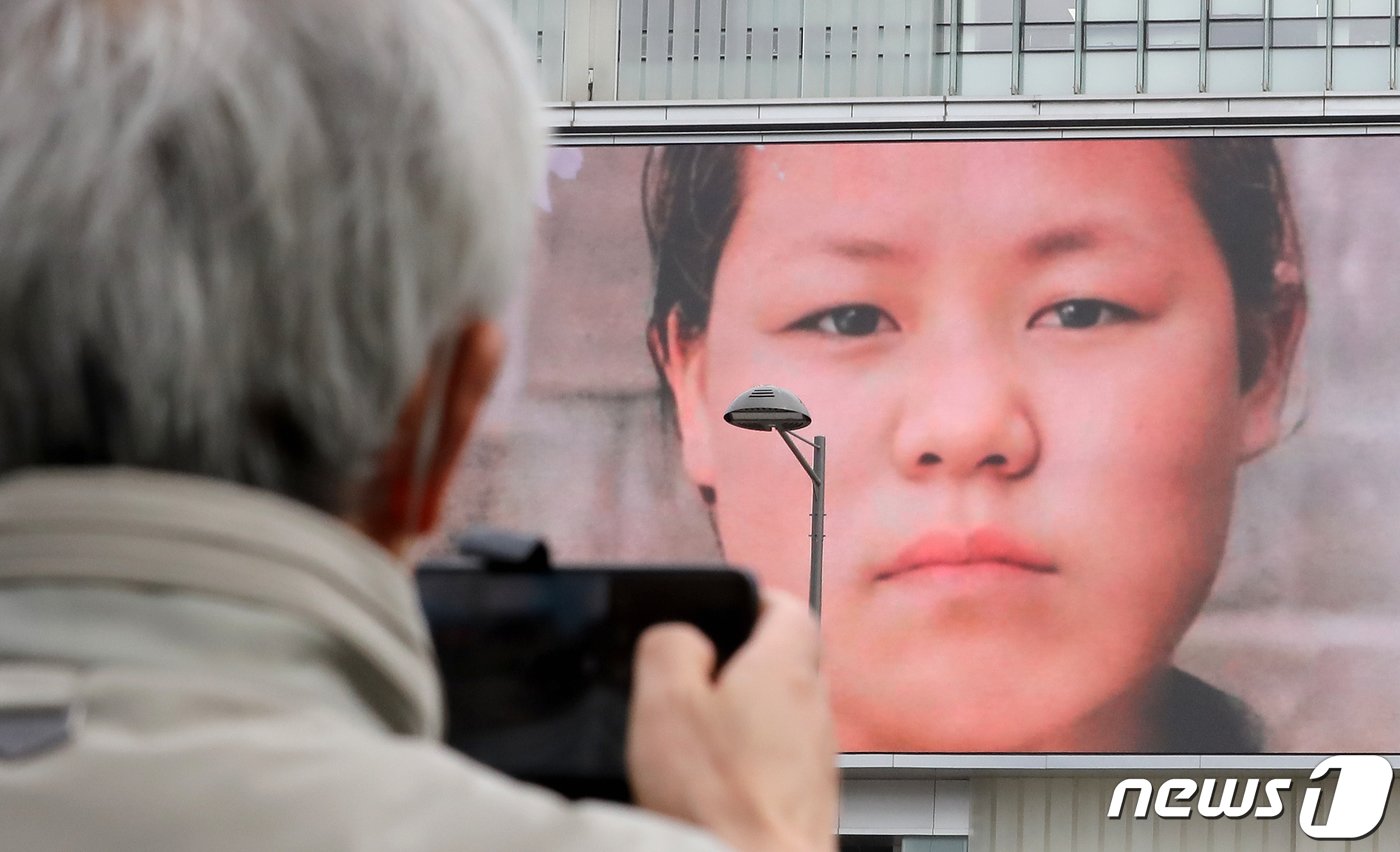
(1022, 725)
(935, 733)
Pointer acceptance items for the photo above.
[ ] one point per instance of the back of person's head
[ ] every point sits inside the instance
(232, 231)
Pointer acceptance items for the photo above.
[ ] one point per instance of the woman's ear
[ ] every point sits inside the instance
(682, 357)
(1263, 401)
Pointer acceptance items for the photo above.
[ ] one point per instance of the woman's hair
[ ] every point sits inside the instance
(230, 233)
(692, 193)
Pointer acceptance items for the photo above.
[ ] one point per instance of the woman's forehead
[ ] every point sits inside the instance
(933, 166)
(1025, 191)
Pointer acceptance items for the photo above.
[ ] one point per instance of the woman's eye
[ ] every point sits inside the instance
(1082, 313)
(848, 321)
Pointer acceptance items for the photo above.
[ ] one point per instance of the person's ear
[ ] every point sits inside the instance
(1263, 401)
(431, 431)
(682, 359)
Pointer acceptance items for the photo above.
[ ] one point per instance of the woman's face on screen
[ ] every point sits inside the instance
(1023, 356)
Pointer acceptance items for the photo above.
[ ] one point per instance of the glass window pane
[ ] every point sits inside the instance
(1299, 32)
(1236, 8)
(1361, 69)
(942, 10)
(980, 38)
(1109, 36)
(1173, 10)
(1173, 72)
(1110, 10)
(1235, 71)
(1174, 34)
(1049, 11)
(1355, 8)
(1300, 8)
(941, 38)
(984, 74)
(1049, 37)
(1110, 73)
(1047, 74)
(1361, 31)
(1236, 34)
(986, 11)
(1297, 70)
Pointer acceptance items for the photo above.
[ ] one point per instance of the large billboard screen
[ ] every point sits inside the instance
(1113, 426)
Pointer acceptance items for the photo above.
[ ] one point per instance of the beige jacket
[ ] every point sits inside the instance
(186, 664)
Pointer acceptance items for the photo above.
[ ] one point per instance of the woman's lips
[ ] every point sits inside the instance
(985, 548)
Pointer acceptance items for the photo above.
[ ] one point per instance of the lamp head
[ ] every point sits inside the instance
(765, 408)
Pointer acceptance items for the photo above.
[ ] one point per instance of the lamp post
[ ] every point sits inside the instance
(766, 408)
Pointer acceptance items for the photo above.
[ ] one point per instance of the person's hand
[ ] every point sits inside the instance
(749, 756)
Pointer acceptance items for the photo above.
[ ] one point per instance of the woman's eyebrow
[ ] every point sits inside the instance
(860, 248)
(1069, 239)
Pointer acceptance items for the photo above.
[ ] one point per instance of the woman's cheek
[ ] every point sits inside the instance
(1145, 493)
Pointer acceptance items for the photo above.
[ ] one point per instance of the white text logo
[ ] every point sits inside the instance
(1358, 802)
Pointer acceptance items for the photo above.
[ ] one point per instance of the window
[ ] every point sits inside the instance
(1174, 34)
(1049, 11)
(1110, 10)
(986, 11)
(1236, 9)
(1236, 34)
(1361, 8)
(1048, 37)
(1362, 31)
(1174, 10)
(1300, 8)
(986, 38)
(1299, 32)
(1110, 36)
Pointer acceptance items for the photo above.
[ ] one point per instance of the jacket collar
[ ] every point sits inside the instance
(173, 532)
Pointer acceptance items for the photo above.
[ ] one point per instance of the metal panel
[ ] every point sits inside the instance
(734, 80)
(867, 43)
(708, 68)
(787, 79)
(526, 14)
(656, 67)
(762, 43)
(1059, 811)
(1035, 816)
(580, 30)
(815, 16)
(631, 18)
(952, 806)
(894, 47)
(1087, 832)
(923, 25)
(1006, 813)
(684, 30)
(841, 73)
(887, 807)
(553, 16)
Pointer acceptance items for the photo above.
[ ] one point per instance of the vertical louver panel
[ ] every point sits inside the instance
(541, 22)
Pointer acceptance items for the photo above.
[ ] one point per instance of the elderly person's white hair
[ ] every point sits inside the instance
(231, 231)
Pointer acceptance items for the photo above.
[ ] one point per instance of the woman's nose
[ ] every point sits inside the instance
(966, 417)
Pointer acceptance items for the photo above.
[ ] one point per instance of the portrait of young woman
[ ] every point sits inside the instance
(1042, 364)
(1041, 368)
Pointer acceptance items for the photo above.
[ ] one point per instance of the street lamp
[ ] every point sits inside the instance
(764, 409)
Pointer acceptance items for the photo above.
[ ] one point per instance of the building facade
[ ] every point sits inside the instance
(640, 72)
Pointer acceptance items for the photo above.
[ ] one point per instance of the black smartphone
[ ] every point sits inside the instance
(537, 665)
